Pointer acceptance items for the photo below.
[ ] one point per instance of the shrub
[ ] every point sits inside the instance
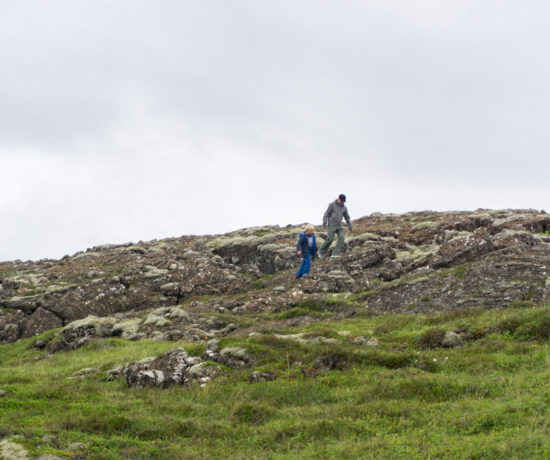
(538, 328)
(432, 338)
(253, 414)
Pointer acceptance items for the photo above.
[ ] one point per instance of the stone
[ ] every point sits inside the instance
(40, 321)
(178, 312)
(128, 328)
(12, 451)
(77, 446)
(423, 226)
(170, 289)
(115, 373)
(49, 438)
(508, 238)
(174, 367)
(2, 393)
(257, 377)
(201, 370)
(235, 357)
(372, 343)
(159, 336)
(83, 372)
(92, 325)
(40, 344)
(462, 249)
(451, 340)
(157, 319)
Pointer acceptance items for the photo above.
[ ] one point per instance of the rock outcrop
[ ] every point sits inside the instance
(199, 288)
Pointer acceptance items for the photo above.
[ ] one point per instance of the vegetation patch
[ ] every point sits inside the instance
(404, 398)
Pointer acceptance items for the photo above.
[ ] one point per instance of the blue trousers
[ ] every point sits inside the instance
(304, 268)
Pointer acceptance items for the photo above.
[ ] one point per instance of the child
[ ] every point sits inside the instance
(306, 247)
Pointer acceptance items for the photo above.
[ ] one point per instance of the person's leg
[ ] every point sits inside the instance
(328, 241)
(339, 243)
(301, 269)
(307, 265)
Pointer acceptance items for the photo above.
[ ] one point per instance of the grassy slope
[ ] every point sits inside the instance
(487, 399)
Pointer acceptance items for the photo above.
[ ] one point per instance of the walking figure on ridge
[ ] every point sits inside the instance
(333, 220)
(307, 248)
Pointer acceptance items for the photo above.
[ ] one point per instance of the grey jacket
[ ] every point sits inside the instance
(334, 214)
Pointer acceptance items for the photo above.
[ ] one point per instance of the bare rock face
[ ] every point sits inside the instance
(40, 321)
(513, 238)
(462, 249)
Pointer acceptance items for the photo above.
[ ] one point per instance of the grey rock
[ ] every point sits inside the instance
(83, 372)
(77, 446)
(49, 438)
(510, 237)
(361, 340)
(115, 373)
(257, 377)
(372, 343)
(462, 249)
(40, 344)
(451, 340)
(170, 289)
(174, 367)
(212, 351)
(235, 357)
(2, 393)
(201, 370)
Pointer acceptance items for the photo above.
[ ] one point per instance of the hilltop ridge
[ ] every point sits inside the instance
(413, 262)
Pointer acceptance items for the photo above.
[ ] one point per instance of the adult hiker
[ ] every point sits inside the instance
(307, 248)
(333, 219)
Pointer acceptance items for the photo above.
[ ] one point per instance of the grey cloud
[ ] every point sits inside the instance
(156, 104)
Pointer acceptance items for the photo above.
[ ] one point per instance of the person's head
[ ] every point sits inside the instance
(341, 198)
(309, 229)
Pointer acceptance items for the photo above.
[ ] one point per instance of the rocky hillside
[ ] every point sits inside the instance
(202, 287)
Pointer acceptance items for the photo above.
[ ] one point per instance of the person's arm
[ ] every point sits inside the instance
(299, 245)
(348, 220)
(327, 214)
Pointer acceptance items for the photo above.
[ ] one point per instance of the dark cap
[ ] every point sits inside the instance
(342, 198)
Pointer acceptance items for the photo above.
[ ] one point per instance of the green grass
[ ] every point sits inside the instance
(487, 399)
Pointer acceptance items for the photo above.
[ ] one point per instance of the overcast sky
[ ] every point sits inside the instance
(128, 120)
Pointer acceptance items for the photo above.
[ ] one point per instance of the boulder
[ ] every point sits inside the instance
(258, 376)
(12, 451)
(235, 357)
(511, 238)
(462, 249)
(451, 340)
(174, 367)
(40, 321)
